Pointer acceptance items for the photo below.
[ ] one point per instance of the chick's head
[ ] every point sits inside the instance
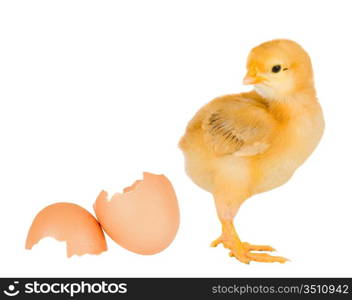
(278, 69)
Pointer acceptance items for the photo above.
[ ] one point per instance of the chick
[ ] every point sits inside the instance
(240, 145)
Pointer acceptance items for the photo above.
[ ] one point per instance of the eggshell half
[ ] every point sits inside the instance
(71, 223)
(145, 218)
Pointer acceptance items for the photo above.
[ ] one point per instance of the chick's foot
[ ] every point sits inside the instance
(242, 250)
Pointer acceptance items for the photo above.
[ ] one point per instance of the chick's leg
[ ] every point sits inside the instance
(228, 201)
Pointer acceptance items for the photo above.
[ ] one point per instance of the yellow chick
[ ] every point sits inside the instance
(243, 144)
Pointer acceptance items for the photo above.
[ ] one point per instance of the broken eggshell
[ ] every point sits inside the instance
(145, 218)
(71, 223)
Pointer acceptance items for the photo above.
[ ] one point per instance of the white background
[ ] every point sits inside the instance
(93, 93)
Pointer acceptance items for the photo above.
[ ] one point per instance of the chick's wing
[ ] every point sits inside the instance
(242, 127)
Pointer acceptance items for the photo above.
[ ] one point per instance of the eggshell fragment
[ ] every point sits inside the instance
(71, 223)
(145, 218)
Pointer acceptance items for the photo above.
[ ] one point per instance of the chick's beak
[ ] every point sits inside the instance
(252, 78)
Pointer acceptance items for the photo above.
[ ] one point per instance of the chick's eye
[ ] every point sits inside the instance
(276, 69)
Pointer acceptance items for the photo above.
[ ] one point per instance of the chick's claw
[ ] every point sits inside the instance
(245, 255)
(241, 256)
(216, 242)
(264, 257)
(242, 251)
(251, 247)
(228, 243)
